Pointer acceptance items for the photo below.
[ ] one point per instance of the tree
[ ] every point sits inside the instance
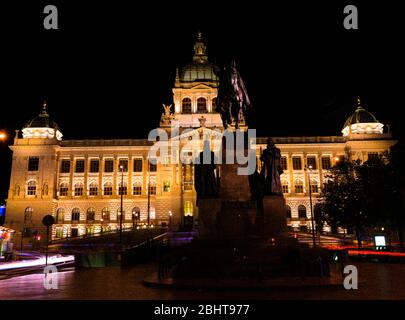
(343, 198)
(359, 195)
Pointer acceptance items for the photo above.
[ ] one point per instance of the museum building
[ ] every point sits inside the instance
(81, 182)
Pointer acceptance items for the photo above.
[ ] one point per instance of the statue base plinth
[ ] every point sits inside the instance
(273, 223)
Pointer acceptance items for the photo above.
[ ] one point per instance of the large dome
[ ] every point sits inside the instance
(200, 69)
(362, 121)
(196, 71)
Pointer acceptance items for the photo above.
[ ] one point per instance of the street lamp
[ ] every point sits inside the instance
(170, 220)
(101, 225)
(310, 204)
(122, 195)
(3, 136)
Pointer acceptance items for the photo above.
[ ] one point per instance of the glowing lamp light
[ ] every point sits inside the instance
(3, 136)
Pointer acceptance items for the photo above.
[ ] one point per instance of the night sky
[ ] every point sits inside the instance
(107, 70)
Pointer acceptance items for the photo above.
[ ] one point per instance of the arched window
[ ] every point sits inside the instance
(31, 188)
(214, 104)
(63, 189)
(137, 188)
(136, 213)
(105, 214)
(108, 189)
(288, 209)
(122, 189)
(75, 214)
(93, 189)
(78, 189)
(299, 186)
(188, 208)
(28, 214)
(60, 214)
(91, 212)
(201, 105)
(302, 212)
(186, 105)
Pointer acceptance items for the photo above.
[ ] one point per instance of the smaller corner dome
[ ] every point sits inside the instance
(42, 126)
(42, 120)
(362, 121)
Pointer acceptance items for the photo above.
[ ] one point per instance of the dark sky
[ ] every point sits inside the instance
(106, 72)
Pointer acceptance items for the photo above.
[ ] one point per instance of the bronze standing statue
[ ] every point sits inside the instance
(271, 168)
(233, 100)
(205, 178)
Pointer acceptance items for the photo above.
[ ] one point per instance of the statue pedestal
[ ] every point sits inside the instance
(208, 210)
(274, 219)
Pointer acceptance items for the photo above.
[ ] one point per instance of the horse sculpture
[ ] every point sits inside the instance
(233, 100)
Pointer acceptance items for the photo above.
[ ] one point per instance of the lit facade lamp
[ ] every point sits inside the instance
(310, 204)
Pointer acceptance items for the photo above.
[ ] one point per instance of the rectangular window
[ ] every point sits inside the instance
(32, 190)
(93, 190)
(94, 165)
(78, 191)
(63, 190)
(108, 190)
(65, 166)
(122, 190)
(297, 164)
(137, 189)
(152, 189)
(314, 188)
(79, 168)
(109, 165)
(326, 163)
(284, 188)
(124, 164)
(137, 165)
(311, 162)
(299, 188)
(33, 163)
(283, 163)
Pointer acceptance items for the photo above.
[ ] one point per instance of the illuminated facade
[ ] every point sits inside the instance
(80, 181)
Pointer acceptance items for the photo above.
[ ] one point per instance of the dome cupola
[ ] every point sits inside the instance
(362, 121)
(42, 126)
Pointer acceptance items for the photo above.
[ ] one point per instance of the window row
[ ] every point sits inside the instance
(94, 165)
(104, 216)
(299, 186)
(108, 189)
(186, 105)
(311, 162)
